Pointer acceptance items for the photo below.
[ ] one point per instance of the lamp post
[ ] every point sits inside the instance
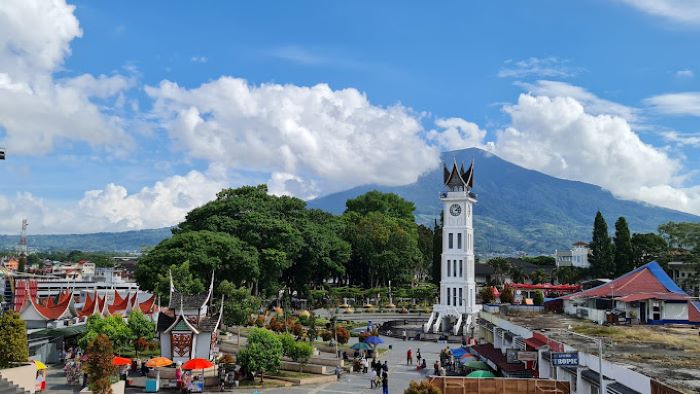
(599, 342)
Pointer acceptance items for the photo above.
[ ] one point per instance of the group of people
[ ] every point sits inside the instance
(379, 376)
(185, 380)
(139, 366)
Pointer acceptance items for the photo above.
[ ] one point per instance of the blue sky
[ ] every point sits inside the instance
(126, 115)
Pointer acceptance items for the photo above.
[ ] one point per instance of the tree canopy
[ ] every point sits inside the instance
(601, 259)
(13, 347)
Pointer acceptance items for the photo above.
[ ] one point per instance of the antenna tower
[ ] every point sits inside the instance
(22, 247)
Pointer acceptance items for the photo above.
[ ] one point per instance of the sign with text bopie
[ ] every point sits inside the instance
(569, 359)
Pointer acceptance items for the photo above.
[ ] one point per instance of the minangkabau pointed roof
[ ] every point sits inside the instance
(458, 177)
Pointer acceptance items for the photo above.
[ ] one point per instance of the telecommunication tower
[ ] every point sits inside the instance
(22, 247)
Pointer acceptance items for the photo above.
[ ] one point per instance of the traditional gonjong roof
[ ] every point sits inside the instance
(458, 177)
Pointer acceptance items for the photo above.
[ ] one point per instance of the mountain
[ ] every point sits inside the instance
(127, 241)
(520, 209)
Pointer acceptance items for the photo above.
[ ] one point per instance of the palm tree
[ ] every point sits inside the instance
(538, 276)
(500, 267)
(517, 275)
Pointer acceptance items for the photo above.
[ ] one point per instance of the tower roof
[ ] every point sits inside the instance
(458, 177)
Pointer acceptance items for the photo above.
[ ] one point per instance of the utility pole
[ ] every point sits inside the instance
(599, 342)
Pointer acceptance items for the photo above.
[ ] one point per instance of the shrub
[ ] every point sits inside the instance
(13, 346)
(422, 387)
(326, 335)
(507, 295)
(298, 329)
(486, 294)
(301, 352)
(98, 366)
(260, 321)
(342, 334)
(287, 341)
(538, 298)
(263, 352)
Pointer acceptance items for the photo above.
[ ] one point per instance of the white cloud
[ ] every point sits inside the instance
(456, 134)
(548, 67)
(686, 11)
(113, 209)
(685, 73)
(685, 103)
(594, 104)
(560, 137)
(35, 109)
(314, 138)
(682, 139)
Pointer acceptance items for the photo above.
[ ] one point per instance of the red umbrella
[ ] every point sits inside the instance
(116, 360)
(198, 363)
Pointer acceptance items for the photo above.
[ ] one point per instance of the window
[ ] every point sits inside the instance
(454, 268)
(450, 242)
(448, 296)
(449, 262)
(459, 241)
(454, 296)
(461, 273)
(460, 296)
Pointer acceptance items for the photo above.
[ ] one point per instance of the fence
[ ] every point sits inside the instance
(458, 385)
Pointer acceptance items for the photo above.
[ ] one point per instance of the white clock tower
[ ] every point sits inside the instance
(457, 306)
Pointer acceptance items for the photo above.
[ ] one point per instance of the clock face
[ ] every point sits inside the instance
(455, 210)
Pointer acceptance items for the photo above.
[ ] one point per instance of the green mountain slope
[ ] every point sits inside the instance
(520, 209)
(127, 241)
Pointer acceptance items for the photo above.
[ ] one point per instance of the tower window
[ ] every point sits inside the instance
(460, 296)
(450, 243)
(448, 296)
(449, 262)
(454, 297)
(459, 241)
(461, 273)
(454, 268)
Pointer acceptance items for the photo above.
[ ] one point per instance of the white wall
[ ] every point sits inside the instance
(674, 311)
(203, 344)
(24, 376)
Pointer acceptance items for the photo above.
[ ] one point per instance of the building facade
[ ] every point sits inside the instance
(577, 256)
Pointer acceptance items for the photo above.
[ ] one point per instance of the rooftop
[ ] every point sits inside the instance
(670, 354)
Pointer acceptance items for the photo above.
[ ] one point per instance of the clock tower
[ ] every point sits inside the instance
(457, 301)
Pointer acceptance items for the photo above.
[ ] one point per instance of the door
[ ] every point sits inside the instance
(643, 312)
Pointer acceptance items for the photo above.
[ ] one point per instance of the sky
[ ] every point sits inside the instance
(125, 115)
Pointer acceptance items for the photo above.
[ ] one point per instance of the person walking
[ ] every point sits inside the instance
(404, 335)
(409, 357)
(385, 383)
(418, 356)
(385, 367)
(337, 372)
(436, 368)
(373, 379)
(365, 365)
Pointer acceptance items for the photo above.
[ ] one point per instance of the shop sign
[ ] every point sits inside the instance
(565, 359)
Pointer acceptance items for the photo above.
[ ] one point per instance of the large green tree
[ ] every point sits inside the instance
(437, 251)
(387, 203)
(239, 304)
(501, 267)
(141, 328)
(98, 366)
(601, 259)
(113, 327)
(648, 247)
(13, 339)
(624, 258)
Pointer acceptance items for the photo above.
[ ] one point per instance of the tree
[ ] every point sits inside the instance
(301, 352)
(539, 276)
(21, 267)
(99, 366)
(601, 259)
(540, 260)
(517, 275)
(648, 247)
(425, 244)
(388, 203)
(486, 294)
(437, 252)
(538, 298)
(113, 327)
(623, 247)
(263, 353)
(422, 387)
(239, 304)
(342, 334)
(569, 275)
(141, 328)
(13, 343)
(500, 267)
(507, 295)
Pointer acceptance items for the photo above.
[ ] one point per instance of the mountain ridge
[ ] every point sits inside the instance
(519, 209)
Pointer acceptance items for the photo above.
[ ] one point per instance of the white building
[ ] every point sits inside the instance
(576, 257)
(457, 305)
(685, 275)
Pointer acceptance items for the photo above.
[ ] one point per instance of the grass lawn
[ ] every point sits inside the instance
(292, 374)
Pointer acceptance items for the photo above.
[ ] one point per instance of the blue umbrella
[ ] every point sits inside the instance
(374, 340)
(458, 352)
(360, 346)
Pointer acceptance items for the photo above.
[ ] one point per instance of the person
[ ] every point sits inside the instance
(144, 369)
(418, 356)
(443, 372)
(404, 335)
(337, 371)
(385, 383)
(373, 379)
(385, 367)
(436, 368)
(409, 357)
(365, 365)
(422, 366)
(178, 376)
(378, 367)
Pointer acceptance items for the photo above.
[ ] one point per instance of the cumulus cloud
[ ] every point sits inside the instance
(113, 208)
(548, 67)
(686, 11)
(35, 109)
(314, 139)
(684, 103)
(456, 133)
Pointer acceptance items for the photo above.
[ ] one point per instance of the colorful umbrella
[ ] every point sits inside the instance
(198, 363)
(116, 360)
(465, 356)
(458, 352)
(159, 362)
(374, 340)
(360, 346)
(481, 374)
(477, 365)
(39, 365)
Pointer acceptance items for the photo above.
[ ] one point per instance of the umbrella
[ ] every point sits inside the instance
(360, 346)
(466, 355)
(159, 362)
(481, 374)
(477, 365)
(458, 352)
(39, 365)
(198, 363)
(374, 340)
(116, 360)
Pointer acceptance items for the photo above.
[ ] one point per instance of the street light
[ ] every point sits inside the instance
(599, 342)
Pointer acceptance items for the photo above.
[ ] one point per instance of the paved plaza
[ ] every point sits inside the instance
(400, 375)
